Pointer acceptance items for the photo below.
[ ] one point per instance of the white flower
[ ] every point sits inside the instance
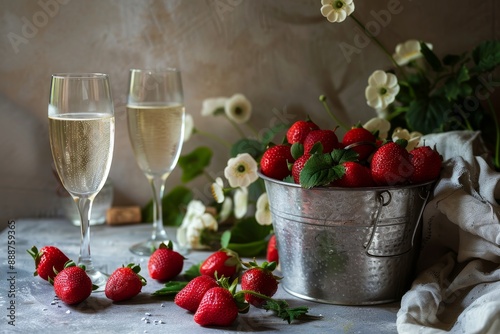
(238, 108)
(218, 190)
(210, 105)
(240, 202)
(337, 10)
(412, 138)
(378, 124)
(408, 51)
(241, 171)
(194, 222)
(382, 89)
(188, 127)
(226, 209)
(263, 213)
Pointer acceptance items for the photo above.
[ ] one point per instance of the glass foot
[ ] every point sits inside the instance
(146, 248)
(98, 278)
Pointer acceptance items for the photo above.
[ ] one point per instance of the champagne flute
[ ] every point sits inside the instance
(82, 131)
(155, 115)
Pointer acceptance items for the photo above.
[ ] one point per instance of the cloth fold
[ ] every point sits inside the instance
(457, 289)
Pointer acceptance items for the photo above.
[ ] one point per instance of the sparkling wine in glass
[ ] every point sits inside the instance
(155, 115)
(82, 132)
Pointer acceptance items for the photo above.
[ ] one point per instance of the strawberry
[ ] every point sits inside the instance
(297, 167)
(299, 130)
(190, 296)
(391, 164)
(274, 162)
(224, 262)
(358, 135)
(124, 283)
(259, 279)
(217, 308)
(327, 138)
(72, 284)
(356, 175)
(48, 259)
(272, 250)
(165, 263)
(426, 163)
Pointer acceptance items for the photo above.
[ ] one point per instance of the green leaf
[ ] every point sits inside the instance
(463, 74)
(486, 56)
(248, 230)
(430, 57)
(320, 170)
(429, 115)
(451, 60)
(170, 289)
(194, 163)
(297, 150)
(283, 311)
(193, 271)
(250, 146)
(340, 156)
(173, 206)
(225, 238)
(270, 133)
(249, 249)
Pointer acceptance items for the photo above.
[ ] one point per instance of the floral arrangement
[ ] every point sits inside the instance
(427, 94)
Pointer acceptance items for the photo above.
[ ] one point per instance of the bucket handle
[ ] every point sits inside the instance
(379, 210)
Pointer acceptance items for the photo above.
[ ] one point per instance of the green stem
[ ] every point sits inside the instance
(496, 158)
(252, 129)
(233, 123)
(398, 111)
(213, 137)
(322, 98)
(210, 178)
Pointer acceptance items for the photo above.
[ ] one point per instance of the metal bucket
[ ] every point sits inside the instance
(348, 246)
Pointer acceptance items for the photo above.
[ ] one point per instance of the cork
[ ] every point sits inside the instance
(123, 215)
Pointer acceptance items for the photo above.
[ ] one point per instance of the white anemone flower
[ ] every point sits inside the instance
(238, 108)
(413, 138)
(382, 89)
(226, 209)
(211, 105)
(263, 212)
(336, 10)
(241, 171)
(194, 222)
(188, 127)
(240, 202)
(218, 190)
(408, 51)
(378, 124)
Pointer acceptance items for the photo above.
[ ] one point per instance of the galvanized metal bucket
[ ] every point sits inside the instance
(348, 246)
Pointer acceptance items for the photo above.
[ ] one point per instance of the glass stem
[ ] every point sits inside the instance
(84, 208)
(158, 186)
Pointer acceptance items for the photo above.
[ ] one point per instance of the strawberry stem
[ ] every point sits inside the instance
(322, 98)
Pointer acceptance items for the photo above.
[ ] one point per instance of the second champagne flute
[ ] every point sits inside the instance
(155, 116)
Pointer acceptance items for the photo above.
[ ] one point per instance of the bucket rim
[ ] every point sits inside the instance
(376, 188)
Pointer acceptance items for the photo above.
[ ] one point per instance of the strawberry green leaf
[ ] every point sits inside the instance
(194, 163)
(250, 146)
(170, 289)
(340, 156)
(193, 271)
(320, 170)
(297, 150)
(289, 179)
(431, 57)
(486, 56)
(281, 309)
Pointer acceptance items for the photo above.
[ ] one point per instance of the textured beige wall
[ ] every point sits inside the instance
(280, 54)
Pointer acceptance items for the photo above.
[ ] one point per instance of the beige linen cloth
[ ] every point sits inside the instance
(457, 289)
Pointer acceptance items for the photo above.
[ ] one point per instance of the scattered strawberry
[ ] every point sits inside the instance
(391, 164)
(427, 164)
(165, 263)
(217, 308)
(224, 262)
(297, 167)
(48, 259)
(357, 135)
(259, 279)
(72, 284)
(299, 130)
(190, 296)
(272, 250)
(274, 162)
(124, 283)
(355, 176)
(327, 138)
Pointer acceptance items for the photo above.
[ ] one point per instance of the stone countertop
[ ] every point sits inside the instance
(36, 309)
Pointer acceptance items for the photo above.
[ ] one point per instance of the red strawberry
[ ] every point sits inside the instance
(297, 167)
(72, 285)
(259, 279)
(358, 135)
(272, 250)
(427, 164)
(124, 283)
(299, 130)
(356, 175)
(165, 263)
(224, 262)
(391, 164)
(274, 162)
(46, 260)
(327, 138)
(217, 307)
(190, 296)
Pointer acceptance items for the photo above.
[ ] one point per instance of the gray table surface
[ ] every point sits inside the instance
(36, 310)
